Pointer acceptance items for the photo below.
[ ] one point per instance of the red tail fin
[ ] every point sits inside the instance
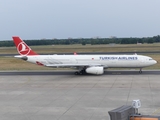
(22, 47)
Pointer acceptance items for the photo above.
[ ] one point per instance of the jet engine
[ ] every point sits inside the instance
(95, 70)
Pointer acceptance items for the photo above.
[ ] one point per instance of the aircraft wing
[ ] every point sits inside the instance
(71, 65)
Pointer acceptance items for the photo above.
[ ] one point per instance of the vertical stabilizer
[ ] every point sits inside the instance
(22, 47)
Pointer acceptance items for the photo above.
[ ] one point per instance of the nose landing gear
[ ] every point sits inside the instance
(140, 71)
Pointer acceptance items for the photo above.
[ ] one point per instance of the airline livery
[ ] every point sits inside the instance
(92, 64)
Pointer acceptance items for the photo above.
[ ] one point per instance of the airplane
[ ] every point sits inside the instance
(90, 64)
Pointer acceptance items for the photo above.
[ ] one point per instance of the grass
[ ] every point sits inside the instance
(86, 48)
(11, 63)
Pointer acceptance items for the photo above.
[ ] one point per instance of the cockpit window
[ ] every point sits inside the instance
(150, 59)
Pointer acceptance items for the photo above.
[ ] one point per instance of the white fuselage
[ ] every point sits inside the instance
(91, 64)
(107, 61)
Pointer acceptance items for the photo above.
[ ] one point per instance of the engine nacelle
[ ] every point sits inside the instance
(95, 70)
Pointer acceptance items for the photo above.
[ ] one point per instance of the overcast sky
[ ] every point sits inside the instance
(37, 19)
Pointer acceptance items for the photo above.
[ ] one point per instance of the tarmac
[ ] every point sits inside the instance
(64, 96)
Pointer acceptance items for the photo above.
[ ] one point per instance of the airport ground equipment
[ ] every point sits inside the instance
(121, 113)
(129, 113)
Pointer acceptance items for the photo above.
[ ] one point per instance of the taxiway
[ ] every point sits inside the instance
(61, 95)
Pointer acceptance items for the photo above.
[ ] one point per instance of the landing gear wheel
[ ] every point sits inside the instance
(76, 73)
(82, 72)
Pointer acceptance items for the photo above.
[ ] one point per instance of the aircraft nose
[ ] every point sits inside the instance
(155, 62)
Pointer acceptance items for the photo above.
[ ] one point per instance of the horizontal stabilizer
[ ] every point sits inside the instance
(21, 57)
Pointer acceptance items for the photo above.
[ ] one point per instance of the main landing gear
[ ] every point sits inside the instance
(140, 71)
(81, 72)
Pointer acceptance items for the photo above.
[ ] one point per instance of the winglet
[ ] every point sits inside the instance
(22, 47)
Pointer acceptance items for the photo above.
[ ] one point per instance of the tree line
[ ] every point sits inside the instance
(84, 41)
